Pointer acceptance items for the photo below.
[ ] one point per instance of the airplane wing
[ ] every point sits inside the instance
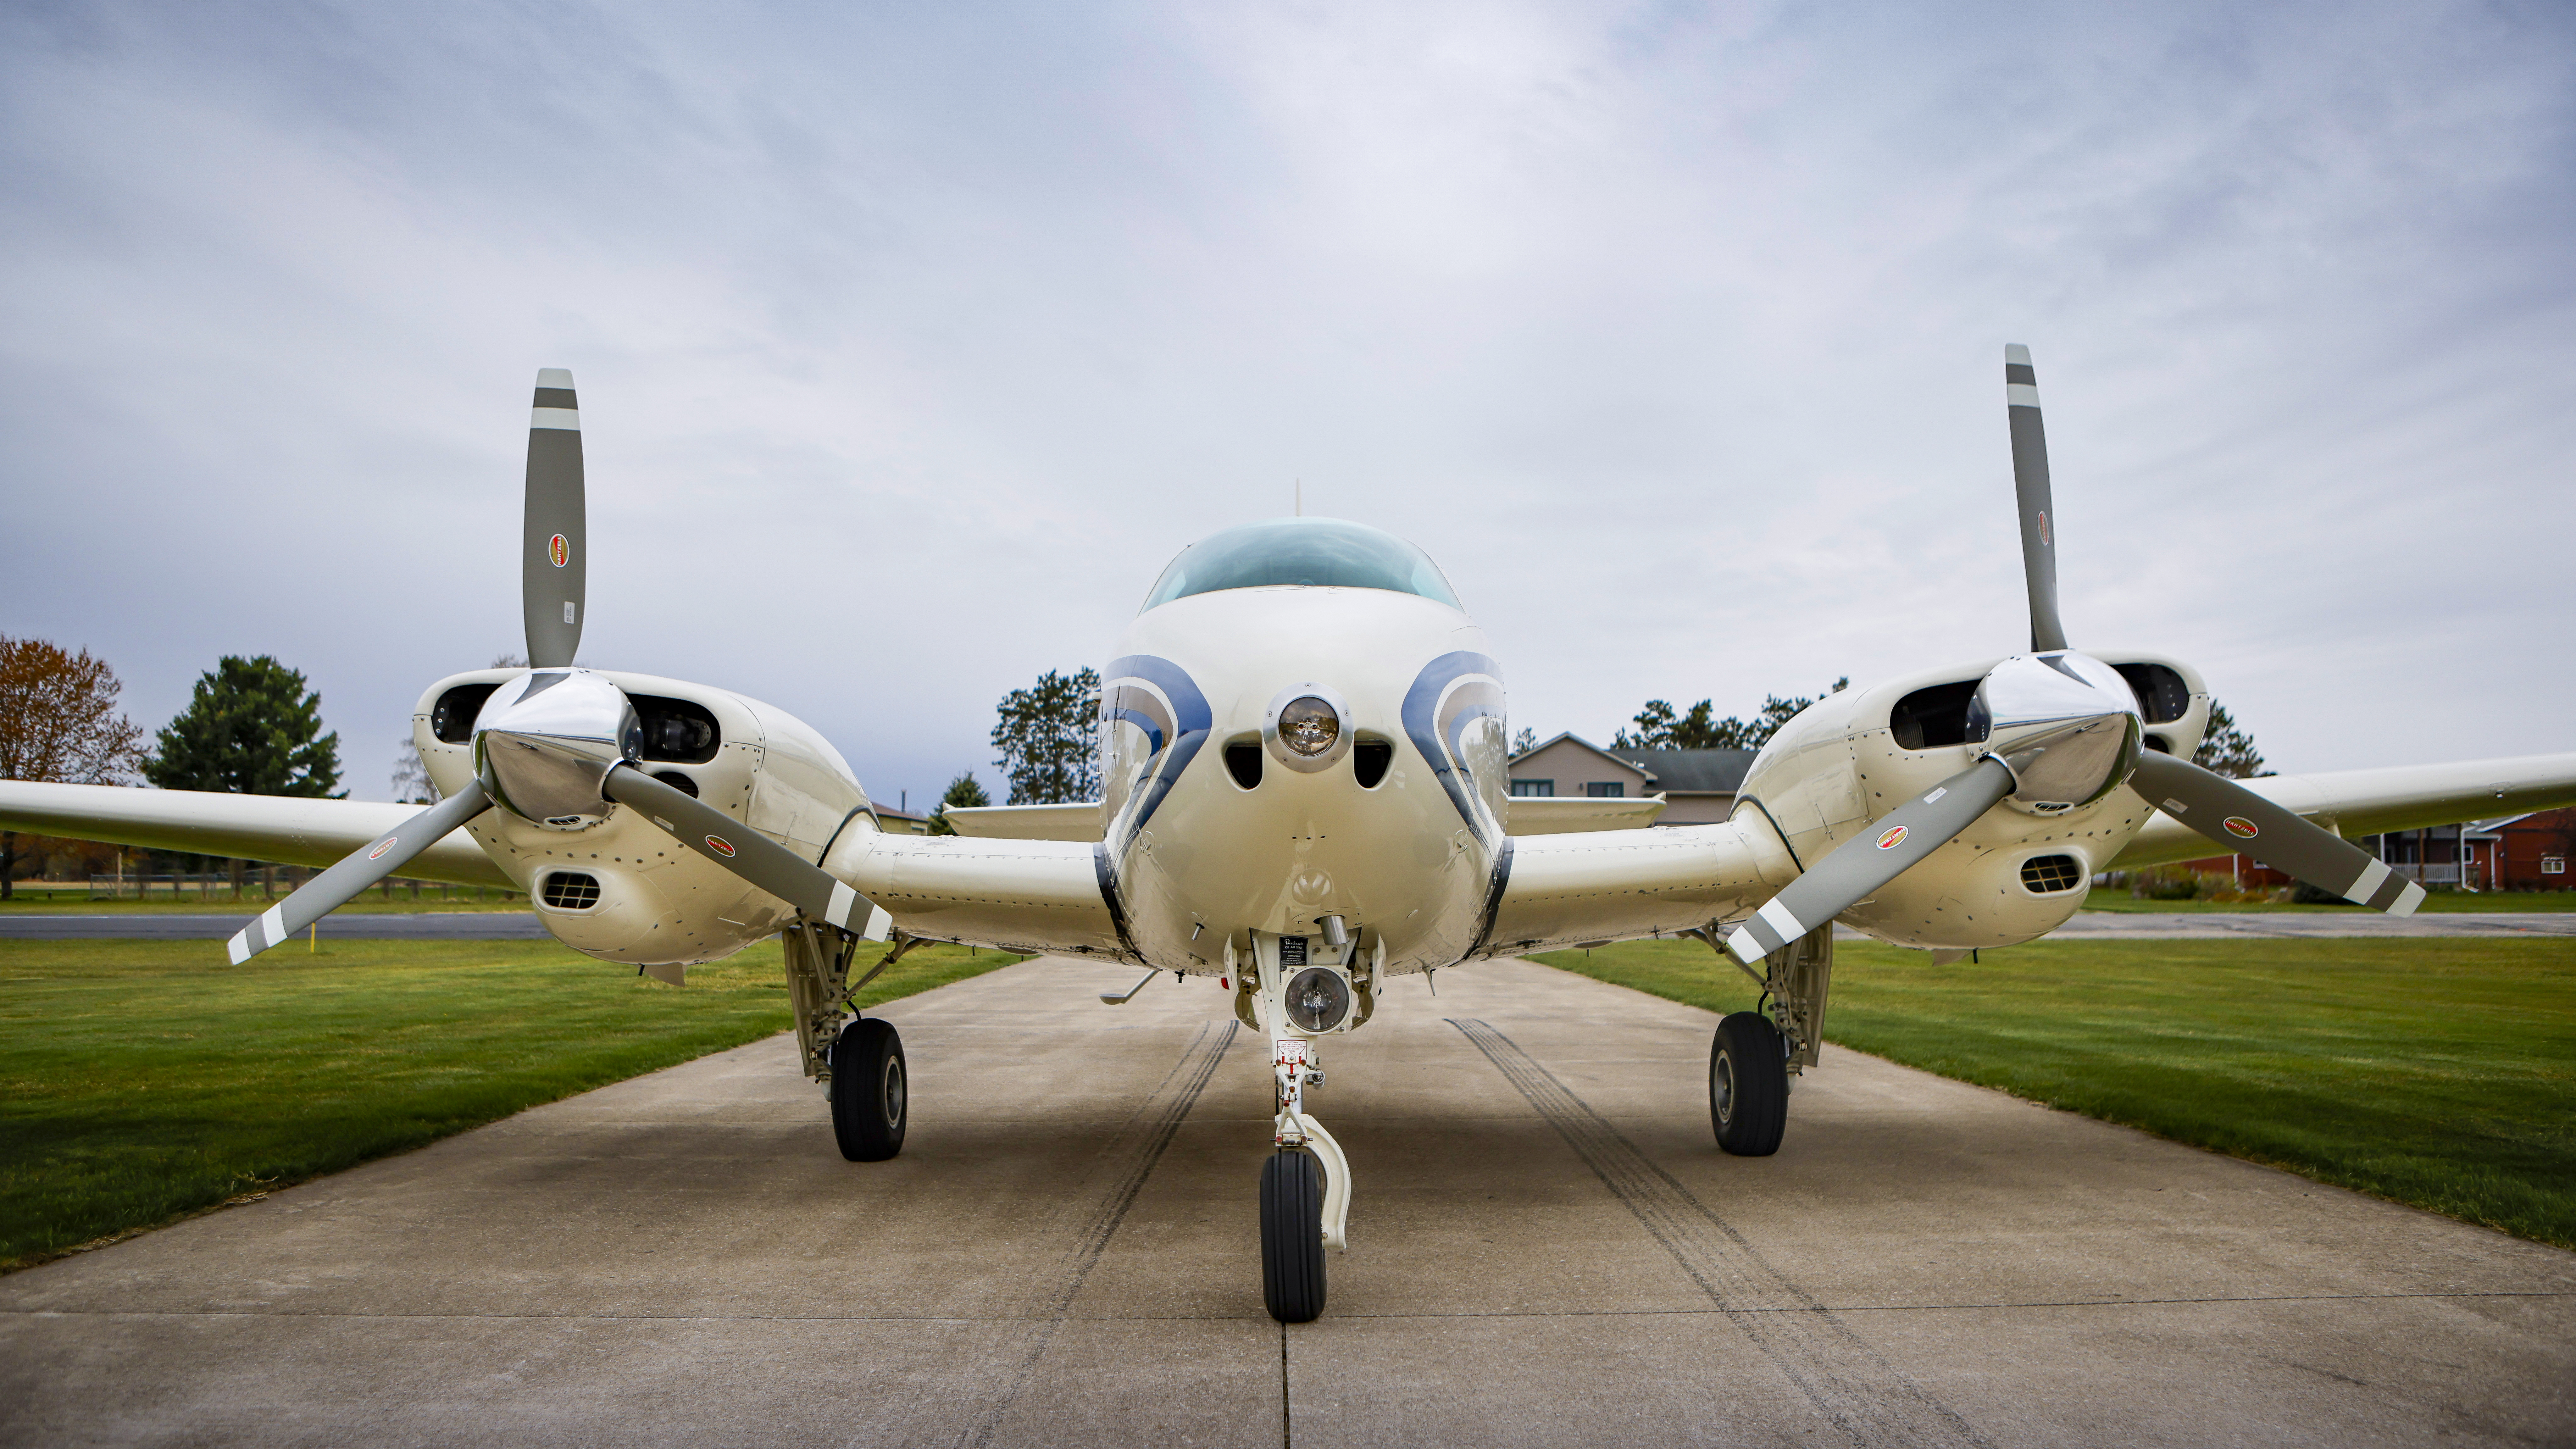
(1078, 821)
(1014, 895)
(1549, 815)
(1614, 885)
(2369, 802)
(287, 830)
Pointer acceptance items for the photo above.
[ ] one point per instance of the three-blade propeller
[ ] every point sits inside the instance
(559, 745)
(2060, 730)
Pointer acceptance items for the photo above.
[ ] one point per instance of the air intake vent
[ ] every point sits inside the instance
(573, 890)
(1243, 762)
(2046, 875)
(1369, 759)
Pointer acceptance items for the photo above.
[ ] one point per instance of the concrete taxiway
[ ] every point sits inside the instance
(1546, 1249)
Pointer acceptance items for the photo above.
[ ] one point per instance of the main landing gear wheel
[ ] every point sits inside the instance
(869, 1105)
(1748, 1084)
(1292, 1236)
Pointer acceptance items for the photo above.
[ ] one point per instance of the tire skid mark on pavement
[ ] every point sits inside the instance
(1123, 1165)
(1850, 1383)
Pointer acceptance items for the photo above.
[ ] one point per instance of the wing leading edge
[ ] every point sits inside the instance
(279, 828)
(2355, 803)
(1612, 885)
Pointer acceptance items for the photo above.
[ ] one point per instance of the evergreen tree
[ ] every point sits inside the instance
(2226, 748)
(1659, 727)
(1049, 736)
(252, 728)
(965, 793)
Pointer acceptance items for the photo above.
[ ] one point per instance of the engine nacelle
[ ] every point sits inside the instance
(614, 886)
(1849, 759)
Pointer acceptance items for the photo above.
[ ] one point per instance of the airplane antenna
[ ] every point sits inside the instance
(1301, 498)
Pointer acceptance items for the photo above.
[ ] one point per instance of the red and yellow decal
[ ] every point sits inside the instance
(559, 549)
(381, 846)
(720, 846)
(1894, 837)
(2241, 828)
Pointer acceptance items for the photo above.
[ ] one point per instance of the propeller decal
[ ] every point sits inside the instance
(1893, 838)
(558, 550)
(2241, 828)
(378, 853)
(720, 846)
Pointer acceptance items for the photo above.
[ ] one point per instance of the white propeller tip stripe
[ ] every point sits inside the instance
(1744, 948)
(566, 419)
(2373, 876)
(272, 926)
(2014, 353)
(880, 925)
(2020, 395)
(2407, 900)
(554, 377)
(1778, 918)
(844, 904)
(239, 946)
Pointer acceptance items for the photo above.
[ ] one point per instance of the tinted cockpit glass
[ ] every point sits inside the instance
(1323, 552)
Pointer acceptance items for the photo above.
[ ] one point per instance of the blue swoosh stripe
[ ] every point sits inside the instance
(1421, 706)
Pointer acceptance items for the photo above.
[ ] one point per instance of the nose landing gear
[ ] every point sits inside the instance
(1306, 1182)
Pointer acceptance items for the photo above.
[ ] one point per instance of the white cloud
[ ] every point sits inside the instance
(911, 345)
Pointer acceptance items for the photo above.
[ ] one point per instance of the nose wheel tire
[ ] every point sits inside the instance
(870, 1094)
(1748, 1084)
(1292, 1236)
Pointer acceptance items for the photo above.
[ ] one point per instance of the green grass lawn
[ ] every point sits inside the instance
(221, 903)
(2437, 1072)
(2117, 898)
(141, 1081)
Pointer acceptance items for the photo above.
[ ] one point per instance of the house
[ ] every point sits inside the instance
(898, 821)
(1698, 786)
(2515, 853)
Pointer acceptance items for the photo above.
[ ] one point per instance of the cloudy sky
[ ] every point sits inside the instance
(912, 341)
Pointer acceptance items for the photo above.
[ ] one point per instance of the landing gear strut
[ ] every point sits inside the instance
(1306, 1183)
(1757, 1052)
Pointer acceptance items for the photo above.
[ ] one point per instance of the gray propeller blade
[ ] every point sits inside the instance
(554, 561)
(744, 851)
(2241, 820)
(2030, 490)
(1855, 869)
(341, 884)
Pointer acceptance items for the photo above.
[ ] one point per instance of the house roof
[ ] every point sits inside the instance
(1548, 744)
(1675, 772)
(1690, 772)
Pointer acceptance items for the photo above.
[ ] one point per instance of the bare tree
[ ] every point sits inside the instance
(412, 785)
(58, 724)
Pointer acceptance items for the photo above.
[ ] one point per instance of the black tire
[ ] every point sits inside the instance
(871, 1095)
(1292, 1236)
(1748, 1085)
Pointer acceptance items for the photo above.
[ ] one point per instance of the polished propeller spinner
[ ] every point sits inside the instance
(2060, 730)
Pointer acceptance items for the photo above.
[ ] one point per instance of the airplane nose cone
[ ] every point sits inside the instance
(543, 744)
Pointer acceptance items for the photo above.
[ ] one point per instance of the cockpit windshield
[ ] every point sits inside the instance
(1322, 552)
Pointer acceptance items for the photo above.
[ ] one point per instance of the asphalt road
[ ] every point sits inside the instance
(1546, 1249)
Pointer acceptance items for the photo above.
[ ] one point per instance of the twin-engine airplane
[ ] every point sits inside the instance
(1302, 739)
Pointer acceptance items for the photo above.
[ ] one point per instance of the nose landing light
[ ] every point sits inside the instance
(1306, 727)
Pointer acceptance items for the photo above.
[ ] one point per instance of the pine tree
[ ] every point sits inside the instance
(1049, 736)
(965, 793)
(252, 728)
